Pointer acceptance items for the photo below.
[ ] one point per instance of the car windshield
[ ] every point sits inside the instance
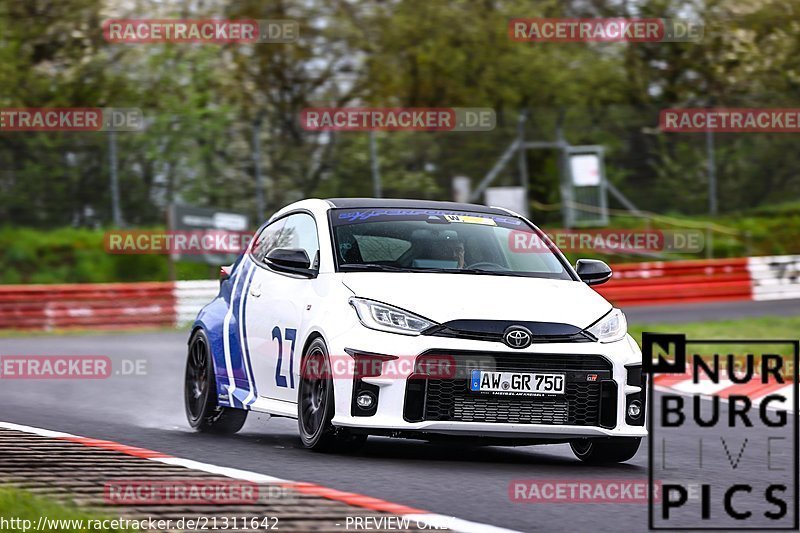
(430, 240)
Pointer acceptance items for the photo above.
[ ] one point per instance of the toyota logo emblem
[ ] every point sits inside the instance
(517, 337)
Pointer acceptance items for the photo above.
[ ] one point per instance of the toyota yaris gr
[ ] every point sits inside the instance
(409, 318)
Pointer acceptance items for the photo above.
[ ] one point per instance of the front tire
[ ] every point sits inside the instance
(605, 450)
(200, 392)
(316, 405)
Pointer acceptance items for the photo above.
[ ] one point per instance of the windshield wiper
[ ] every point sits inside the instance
(372, 266)
(467, 271)
(484, 271)
(376, 267)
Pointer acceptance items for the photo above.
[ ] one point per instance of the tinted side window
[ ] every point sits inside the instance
(294, 231)
(268, 239)
(300, 231)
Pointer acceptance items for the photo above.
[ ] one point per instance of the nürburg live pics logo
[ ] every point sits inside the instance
(724, 433)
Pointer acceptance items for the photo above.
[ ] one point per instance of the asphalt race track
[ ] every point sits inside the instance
(468, 482)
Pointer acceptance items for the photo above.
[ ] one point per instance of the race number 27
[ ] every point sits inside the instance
(291, 335)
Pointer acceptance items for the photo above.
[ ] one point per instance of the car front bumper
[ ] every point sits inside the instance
(391, 416)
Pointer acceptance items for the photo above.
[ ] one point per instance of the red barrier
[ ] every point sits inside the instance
(124, 305)
(678, 282)
(95, 306)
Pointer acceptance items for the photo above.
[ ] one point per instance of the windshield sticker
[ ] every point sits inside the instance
(466, 219)
(345, 216)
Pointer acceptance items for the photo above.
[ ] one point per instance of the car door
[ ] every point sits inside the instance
(276, 304)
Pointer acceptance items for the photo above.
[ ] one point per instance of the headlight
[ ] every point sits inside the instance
(611, 327)
(383, 317)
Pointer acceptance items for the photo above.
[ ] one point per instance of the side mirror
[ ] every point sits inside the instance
(592, 271)
(225, 273)
(292, 260)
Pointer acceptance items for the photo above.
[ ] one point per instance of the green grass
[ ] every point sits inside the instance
(770, 327)
(23, 505)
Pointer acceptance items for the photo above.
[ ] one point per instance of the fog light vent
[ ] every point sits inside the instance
(635, 409)
(365, 400)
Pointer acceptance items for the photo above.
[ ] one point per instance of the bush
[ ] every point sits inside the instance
(70, 255)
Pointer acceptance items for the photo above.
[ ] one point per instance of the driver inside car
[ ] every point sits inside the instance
(452, 249)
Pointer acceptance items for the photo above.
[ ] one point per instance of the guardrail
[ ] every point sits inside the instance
(775, 277)
(165, 304)
(679, 281)
(191, 296)
(95, 306)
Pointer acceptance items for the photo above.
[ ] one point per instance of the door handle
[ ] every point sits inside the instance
(255, 291)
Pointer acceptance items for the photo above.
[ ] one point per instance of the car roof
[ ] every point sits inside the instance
(397, 203)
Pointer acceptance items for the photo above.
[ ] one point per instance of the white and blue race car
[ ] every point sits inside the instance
(417, 319)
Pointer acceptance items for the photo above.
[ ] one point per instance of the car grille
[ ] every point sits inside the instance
(494, 330)
(438, 399)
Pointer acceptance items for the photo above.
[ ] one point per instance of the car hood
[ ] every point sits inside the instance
(444, 297)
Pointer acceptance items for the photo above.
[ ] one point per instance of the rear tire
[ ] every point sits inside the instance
(316, 405)
(200, 392)
(605, 450)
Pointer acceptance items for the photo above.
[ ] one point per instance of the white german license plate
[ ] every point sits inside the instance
(516, 383)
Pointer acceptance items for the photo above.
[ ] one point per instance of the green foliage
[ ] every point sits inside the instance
(202, 103)
(25, 506)
(70, 255)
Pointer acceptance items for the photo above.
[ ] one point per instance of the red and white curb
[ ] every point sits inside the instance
(412, 515)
